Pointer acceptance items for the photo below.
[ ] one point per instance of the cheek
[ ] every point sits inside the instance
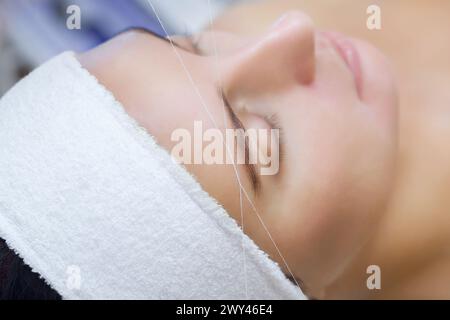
(351, 161)
(336, 184)
(339, 148)
(321, 145)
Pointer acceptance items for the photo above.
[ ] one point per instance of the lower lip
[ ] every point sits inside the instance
(346, 49)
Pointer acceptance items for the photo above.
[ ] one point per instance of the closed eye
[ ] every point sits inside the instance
(192, 47)
(237, 124)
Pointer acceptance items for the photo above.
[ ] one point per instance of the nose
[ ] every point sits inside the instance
(283, 56)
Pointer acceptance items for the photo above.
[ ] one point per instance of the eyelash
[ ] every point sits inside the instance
(256, 183)
(272, 120)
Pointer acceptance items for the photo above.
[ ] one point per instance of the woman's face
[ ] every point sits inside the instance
(333, 99)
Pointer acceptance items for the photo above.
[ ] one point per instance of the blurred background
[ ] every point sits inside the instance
(32, 31)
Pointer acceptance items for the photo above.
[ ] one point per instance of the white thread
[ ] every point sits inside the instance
(241, 187)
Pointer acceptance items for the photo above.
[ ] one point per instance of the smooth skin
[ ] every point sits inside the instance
(339, 137)
(411, 244)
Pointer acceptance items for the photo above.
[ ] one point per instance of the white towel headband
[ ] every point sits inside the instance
(99, 210)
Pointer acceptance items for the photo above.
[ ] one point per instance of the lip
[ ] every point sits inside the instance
(348, 52)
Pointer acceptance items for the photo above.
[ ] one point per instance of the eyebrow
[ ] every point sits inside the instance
(151, 33)
(237, 124)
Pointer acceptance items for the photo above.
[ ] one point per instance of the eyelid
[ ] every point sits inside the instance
(251, 168)
(272, 120)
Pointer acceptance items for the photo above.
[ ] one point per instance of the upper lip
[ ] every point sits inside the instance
(349, 54)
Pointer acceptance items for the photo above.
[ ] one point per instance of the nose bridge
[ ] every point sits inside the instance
(283, 55)
(296, 36)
